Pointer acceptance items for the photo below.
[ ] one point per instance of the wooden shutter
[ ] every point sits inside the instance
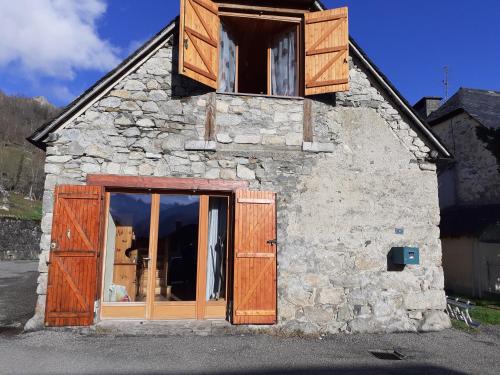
(254, 297)
(72, 279)
(199, 41)
(326, 51)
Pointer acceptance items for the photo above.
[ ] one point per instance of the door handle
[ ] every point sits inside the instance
(186, 43)
(272, 242)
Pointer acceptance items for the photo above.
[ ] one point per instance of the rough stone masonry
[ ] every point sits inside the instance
(340, 197)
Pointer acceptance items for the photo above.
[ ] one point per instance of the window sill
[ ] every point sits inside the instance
(261, 95)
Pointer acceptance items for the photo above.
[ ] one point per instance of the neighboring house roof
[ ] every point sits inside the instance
(40, 137)
(482, 105)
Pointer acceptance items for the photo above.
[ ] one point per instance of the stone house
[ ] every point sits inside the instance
(179, 189)
(469, 189)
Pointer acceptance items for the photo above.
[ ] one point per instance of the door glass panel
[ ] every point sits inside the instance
(217, 248)
(177, 257)
(127, 248)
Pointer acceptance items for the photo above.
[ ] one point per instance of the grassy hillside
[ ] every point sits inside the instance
(21, 164)
(21, 208)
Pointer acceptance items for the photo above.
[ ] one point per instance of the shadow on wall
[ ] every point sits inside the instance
(372, 370)
(182, 86)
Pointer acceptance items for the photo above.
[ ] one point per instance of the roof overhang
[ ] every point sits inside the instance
(40, 137)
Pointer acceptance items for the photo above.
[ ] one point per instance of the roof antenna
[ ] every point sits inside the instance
(445, 82)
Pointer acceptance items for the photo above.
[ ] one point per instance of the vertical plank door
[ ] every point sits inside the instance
(254, 298)
(72, 279)
(326, 51)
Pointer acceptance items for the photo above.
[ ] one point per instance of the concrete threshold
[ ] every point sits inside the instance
(167, 328)
(173, 328)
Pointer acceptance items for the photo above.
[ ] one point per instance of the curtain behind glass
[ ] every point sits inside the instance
(217, 219)
(227, 62)
(284, 65)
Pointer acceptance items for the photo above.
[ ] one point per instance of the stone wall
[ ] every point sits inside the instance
(477, 171)
(340, 197)
(19, 239)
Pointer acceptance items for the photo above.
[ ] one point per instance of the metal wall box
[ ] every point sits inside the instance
(405, 255)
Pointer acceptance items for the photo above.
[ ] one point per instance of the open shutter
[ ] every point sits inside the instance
(254, 297)
(326, 51)
(71, 287)
(199, 40)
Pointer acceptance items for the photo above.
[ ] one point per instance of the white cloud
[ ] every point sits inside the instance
(54, 37)
(134, 46)
(61, 93)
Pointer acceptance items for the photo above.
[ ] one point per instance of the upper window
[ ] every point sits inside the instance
(258, 56)
(264, 52)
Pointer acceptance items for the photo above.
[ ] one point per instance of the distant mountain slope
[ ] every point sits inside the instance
(21, 164)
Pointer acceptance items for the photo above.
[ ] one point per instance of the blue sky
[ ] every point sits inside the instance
(58, 48)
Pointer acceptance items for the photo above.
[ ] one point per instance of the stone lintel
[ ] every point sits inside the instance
(200, 145)
(318, 147)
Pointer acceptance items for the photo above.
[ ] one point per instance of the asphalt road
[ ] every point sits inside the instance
(56, 352)
(17, 293)
(70, 352)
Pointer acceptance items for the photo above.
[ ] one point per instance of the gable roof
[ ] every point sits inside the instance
(482, 105)
(40, 137)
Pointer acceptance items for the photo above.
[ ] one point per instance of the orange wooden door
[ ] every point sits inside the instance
(72, 280)
(254, 297)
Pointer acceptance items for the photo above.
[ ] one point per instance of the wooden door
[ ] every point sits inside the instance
(326, 51)
(254, 297)
(72, 278)
(199, 41)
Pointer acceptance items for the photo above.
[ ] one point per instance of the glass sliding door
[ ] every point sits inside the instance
(177, 254)
(217, 245)
(165, 256)
(217, 249)
(176, 259)
(126, 260)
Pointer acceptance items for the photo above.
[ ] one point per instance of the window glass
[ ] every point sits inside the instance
(284, 65)
(127, 248)
(217, 248)
(227, 62)
(177, 257)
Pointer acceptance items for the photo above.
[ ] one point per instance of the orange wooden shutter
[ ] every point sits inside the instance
(326, 51)
(199, 41)
(254, 298)
(71, 287)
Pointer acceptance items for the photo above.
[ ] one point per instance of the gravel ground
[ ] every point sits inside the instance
(105, 352)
